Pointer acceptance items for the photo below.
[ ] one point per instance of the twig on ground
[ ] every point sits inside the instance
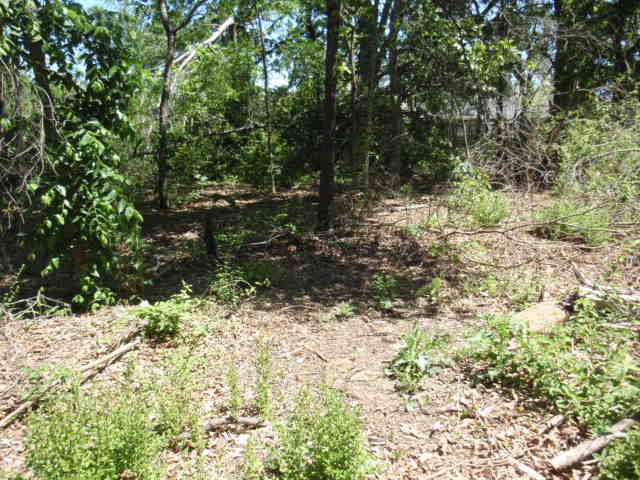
(587, 448)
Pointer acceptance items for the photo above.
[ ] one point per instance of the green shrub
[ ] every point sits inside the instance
(567, 220)
(581, 362)
(164, 319)
(230, 284)
(472, 196)
(322, 440)
(80, 437)
(621, 461)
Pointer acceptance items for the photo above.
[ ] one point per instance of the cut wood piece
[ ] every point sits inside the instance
(587, 448)
(542, 317)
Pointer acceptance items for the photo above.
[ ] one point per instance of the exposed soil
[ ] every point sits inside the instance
(454, 428)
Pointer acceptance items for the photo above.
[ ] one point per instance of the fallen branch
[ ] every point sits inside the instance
(526, 470)
(587, 448)
(249, 422)
(90, 371)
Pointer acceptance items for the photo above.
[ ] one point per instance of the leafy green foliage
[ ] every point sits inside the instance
(164, 319)
(384, 290)
(583, 360)
(621, 461)
(322, 440)
(472, 196)
(415, 359)
(83, 437)
(567, 220)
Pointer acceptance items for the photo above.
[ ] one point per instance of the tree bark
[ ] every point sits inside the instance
(327, 168)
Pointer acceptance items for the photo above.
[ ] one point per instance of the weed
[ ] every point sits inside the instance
(264, 371)
(322, 440)
(101, 437)
(235, 392)
(164, 319)
(433, 290)
(231, 284)
(343, 311)
(384, 290)
(253, 468)
(415, 360)
(176, 418)
(567, 220)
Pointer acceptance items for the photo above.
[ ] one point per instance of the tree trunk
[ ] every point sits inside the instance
(368, 29)
(329, 121)
(163, 121)
(398, 166)
(267, 106)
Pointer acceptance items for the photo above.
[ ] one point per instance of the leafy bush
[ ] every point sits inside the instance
(621, 461)
(415, 360)
(164, 318)
(81, 437)
(583, 361)
(566, 220)
(322, 440)
(472, 196)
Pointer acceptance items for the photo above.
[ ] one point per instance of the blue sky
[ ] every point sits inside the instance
(92, 3)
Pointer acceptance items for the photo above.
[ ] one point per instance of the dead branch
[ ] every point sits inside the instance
(526, 470)
(90, 371)
(183, 60)
(587, 448)
(248, 422)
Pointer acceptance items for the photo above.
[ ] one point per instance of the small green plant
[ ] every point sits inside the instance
(232, 284)
(322, 440)
(384, 289)
(568, 220)
(433, 290)
(415, 360)
(176, 417)
(343, 311)
(164, 319)
(93, 437)
(235, 392)
(264, 371)
(621, 461)
(252, 468)
(472, 196)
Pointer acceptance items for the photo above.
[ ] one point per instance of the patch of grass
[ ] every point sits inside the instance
(415, 360)
(568, 220)
(322, 440)
(585, 370)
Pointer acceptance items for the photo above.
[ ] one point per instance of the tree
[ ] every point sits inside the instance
(84, 79)
(329, 117)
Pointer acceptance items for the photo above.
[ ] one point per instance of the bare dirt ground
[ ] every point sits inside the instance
(453, 428)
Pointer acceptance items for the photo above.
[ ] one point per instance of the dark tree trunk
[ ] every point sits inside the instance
(398, 166)
(163, 121)
(329, 121)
